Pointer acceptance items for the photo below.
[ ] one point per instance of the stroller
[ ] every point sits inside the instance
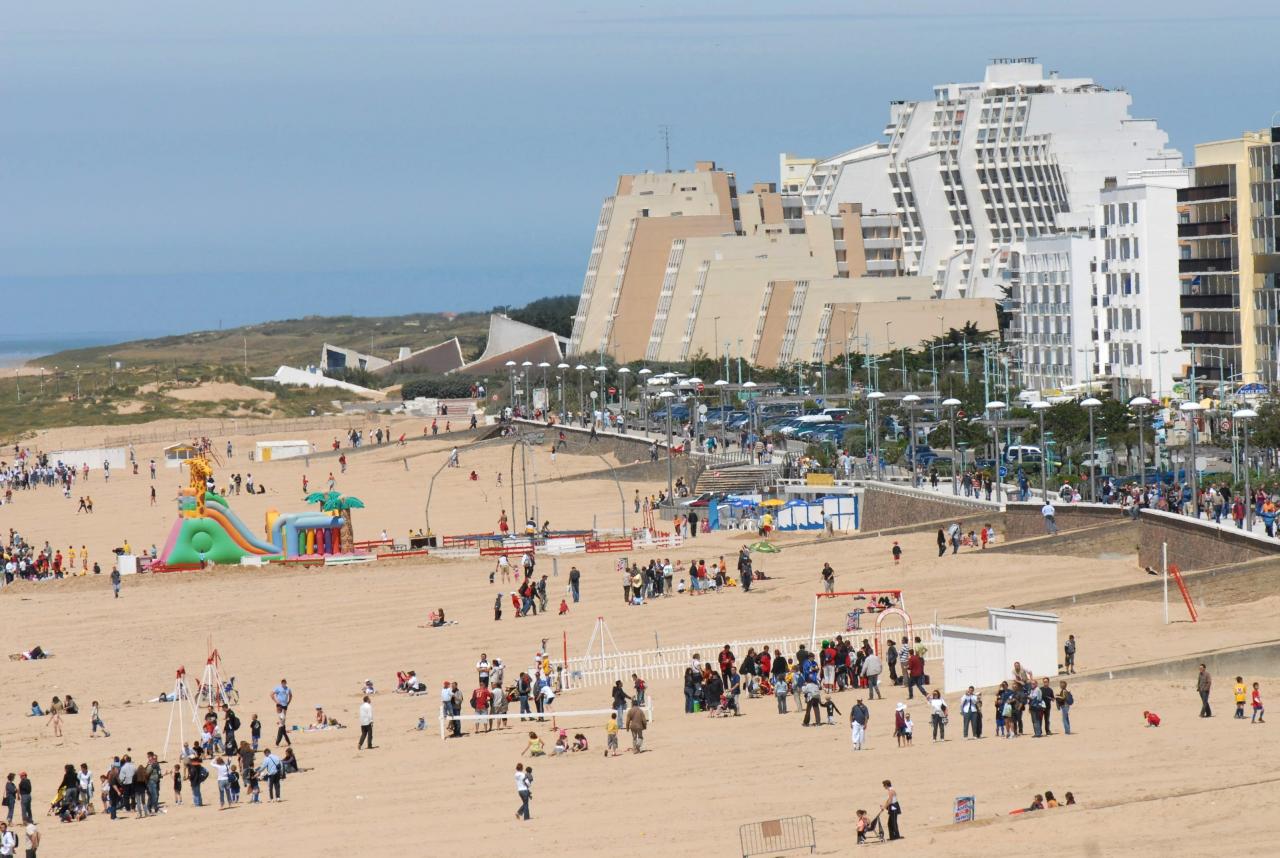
(874, 832)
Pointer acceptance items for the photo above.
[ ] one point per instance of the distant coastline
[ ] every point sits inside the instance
(17, 350)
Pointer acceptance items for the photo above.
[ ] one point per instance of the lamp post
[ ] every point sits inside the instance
(721, 384)
(1139, 404)
(667, 396)
(994, 407)
(911, 401)
(1089, 405)
(749, 386)
(695, 421)
(527, 375)
(546, 390)
(564, 412)
(623, 372)
(873, 399)
(604, 402)
(1243, 416)
(1192, 409)
(644, 374)
(1040, 407)
(951, 405)
(582, 396)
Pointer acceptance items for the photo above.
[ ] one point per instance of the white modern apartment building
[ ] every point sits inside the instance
(1139, 324)
(984, 166)
(1053, 320)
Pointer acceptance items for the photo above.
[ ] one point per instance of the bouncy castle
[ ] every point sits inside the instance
(208, 531)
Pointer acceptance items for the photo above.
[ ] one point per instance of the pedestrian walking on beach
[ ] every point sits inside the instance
(270, 769)
(115, 581)
(1069, 654)
(859, 715)
(637, 722)
(24, 796)
(1204, 683)
(828, 578)
(1065, 702)
(366, 724)
(522, 790)
(942, 542)
(95, 722)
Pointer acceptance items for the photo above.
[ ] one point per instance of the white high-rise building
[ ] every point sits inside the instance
(984, 166)
(1139, 323)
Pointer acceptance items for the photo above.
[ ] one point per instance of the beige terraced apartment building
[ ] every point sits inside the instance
(683, 264)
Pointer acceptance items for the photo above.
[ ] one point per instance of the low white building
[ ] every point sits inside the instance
(313, 377)
(268, 451)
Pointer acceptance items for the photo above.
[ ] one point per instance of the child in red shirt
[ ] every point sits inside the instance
(1153, 720)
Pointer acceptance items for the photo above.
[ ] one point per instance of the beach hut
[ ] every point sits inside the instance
(176, 454)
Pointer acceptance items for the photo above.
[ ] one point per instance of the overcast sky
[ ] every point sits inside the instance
(165, 165)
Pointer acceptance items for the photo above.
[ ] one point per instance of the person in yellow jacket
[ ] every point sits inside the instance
(1241, 694)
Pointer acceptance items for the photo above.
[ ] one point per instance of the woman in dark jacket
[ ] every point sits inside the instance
(690, 689)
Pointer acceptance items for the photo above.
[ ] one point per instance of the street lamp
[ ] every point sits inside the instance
(994, 407)
(526, 372)
(721, 384)
(694, 417)
(910, 401)
(1040, 407)
(564, 411)
(1192, 409)
(873, 399)
(1243, 416)
(1089, 405)
(750, 387)
(582, 397)
(545, 390)
(951, 405)
(624, 372)
(667, 396)
(644, 373)
(1138, 404)
(604, 403)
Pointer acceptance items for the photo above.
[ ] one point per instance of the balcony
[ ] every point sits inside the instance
(1206, 266)
(1207, 302)
(1203, 193)
(1206, 228)
(1208, 338)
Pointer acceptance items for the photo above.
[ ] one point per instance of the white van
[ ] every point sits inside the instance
(1020, 454)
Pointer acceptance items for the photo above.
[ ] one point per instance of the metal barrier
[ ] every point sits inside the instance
(777, 835)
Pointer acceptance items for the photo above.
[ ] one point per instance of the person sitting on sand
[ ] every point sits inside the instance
(1152, 719)
(36, 711)
(534, 747)
(437, 618)
(368, 687)
(562, 744)
(1037, 803)
(579, 742)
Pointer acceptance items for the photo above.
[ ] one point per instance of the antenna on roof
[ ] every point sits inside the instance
(664, 131)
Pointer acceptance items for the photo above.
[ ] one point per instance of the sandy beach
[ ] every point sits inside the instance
(327, 630)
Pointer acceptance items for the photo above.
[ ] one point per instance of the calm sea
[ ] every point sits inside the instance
(17, 349)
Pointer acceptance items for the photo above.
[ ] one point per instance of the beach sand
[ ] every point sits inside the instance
(1192, 784)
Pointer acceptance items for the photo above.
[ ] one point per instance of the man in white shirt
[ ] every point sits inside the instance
(482, 668)
(1050, 523)
(9, 839)
(969, 705)
(366, 724)
(871, 669)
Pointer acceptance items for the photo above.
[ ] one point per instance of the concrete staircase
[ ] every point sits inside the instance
(742, 479)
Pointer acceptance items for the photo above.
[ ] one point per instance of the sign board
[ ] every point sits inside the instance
(965, 808)
(1004, 471)
(702, 409)
(1201, 463)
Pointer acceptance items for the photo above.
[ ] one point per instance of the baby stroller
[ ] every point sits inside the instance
(874, 832)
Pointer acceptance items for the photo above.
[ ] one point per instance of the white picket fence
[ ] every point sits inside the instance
(515, 718)
(670, 662)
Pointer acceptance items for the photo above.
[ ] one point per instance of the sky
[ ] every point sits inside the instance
(179, 164)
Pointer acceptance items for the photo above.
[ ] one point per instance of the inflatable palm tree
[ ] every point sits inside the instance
(341, 504)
